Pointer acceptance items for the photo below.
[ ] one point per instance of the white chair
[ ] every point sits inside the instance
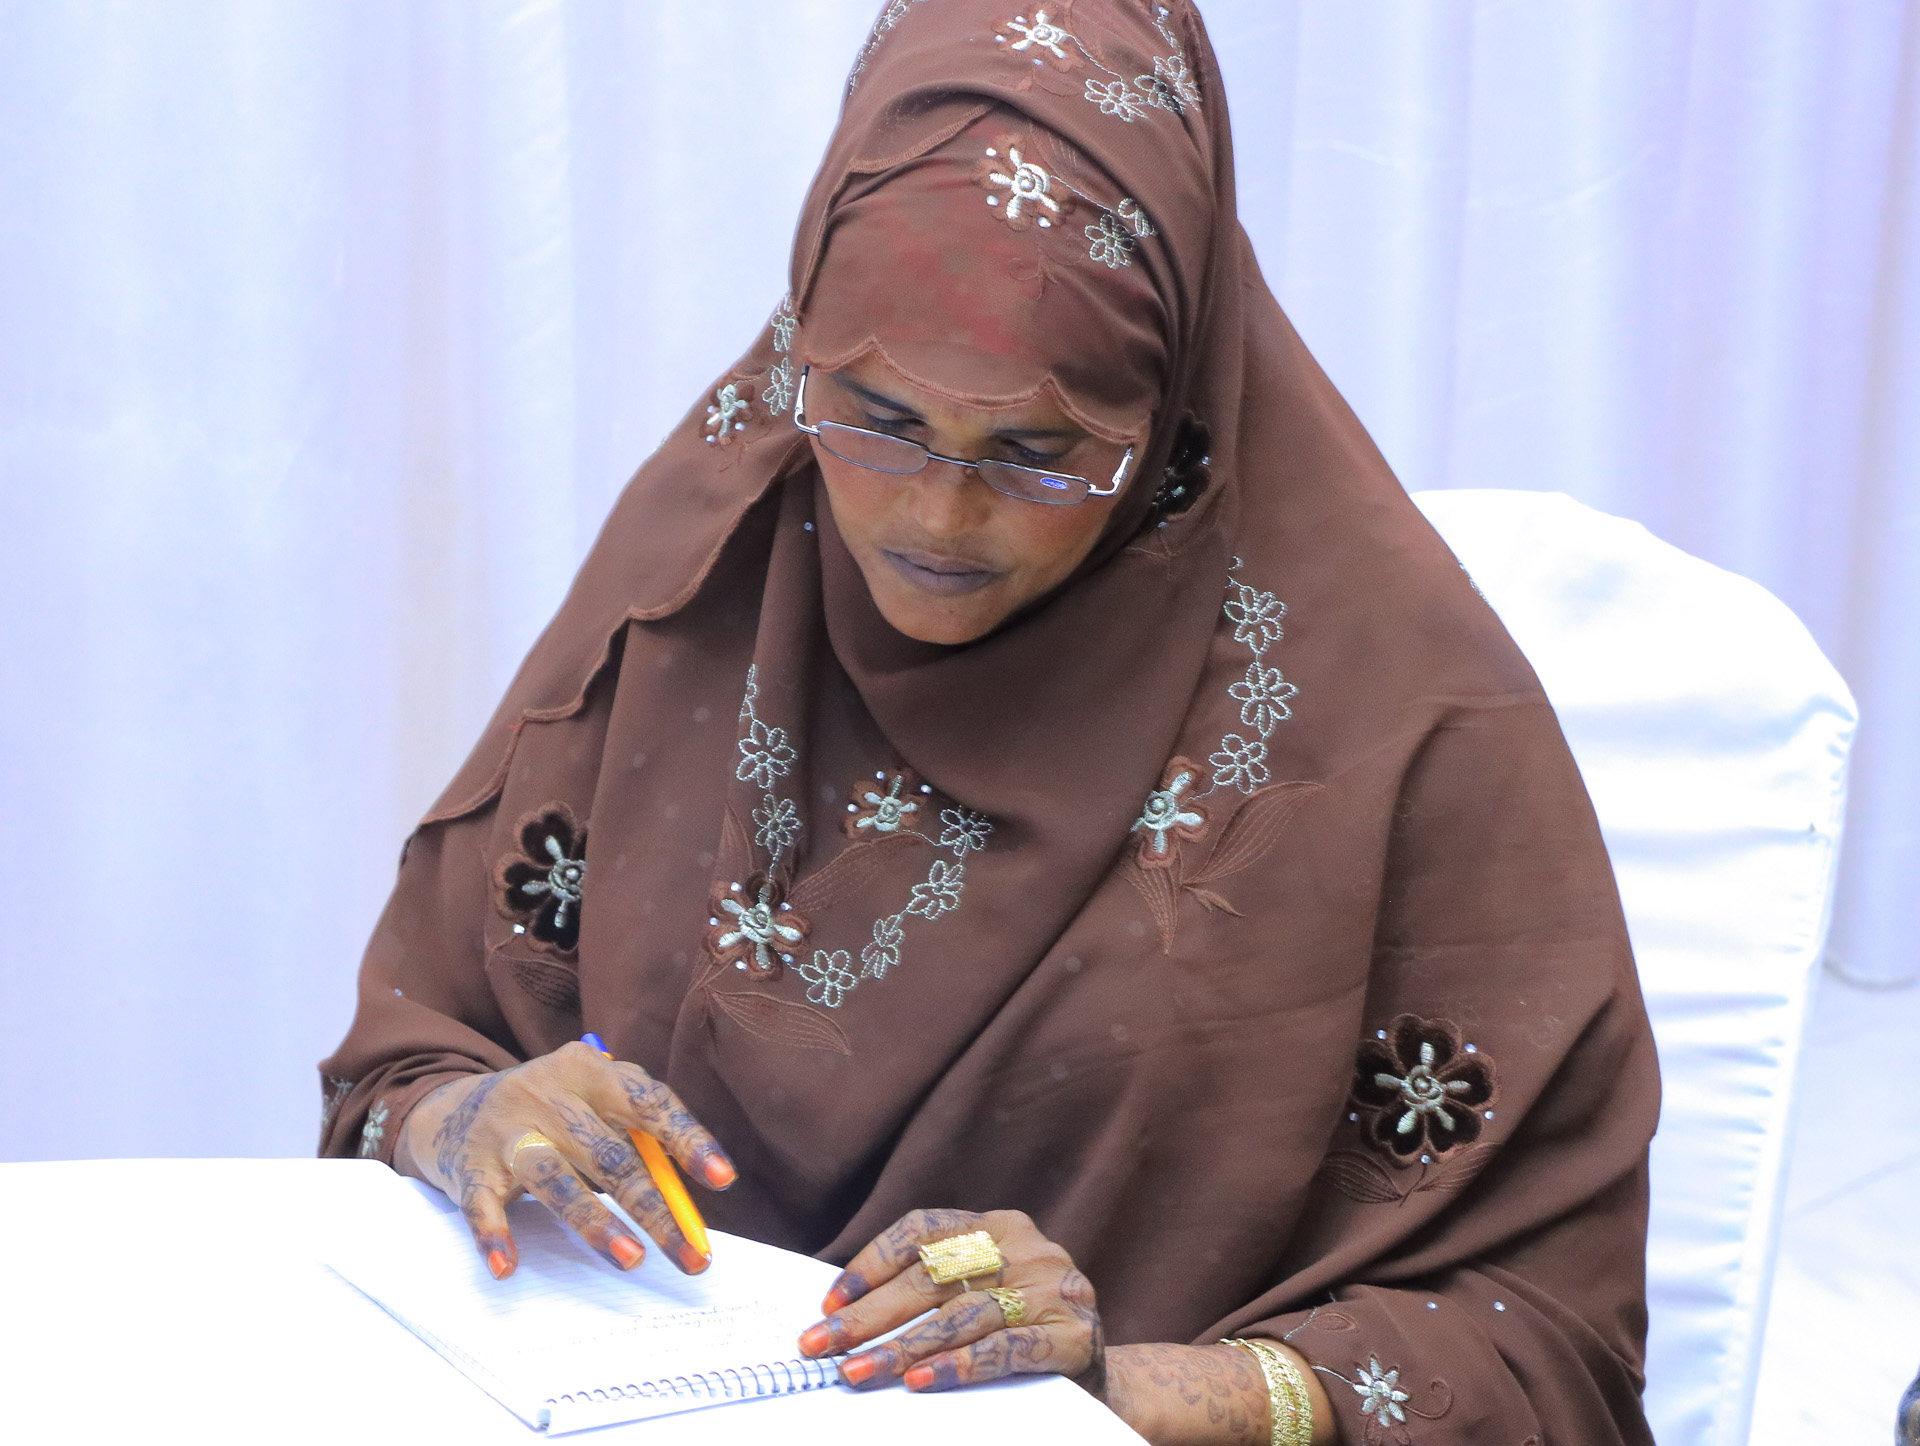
(1713, 737)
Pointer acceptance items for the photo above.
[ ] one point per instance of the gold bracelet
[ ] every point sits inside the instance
(1288, 1403)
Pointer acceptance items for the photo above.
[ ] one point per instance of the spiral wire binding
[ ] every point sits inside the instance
(730, 1383)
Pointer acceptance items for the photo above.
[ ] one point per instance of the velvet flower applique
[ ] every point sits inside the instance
(542, 886)
(754, 930)
(1420, 1091)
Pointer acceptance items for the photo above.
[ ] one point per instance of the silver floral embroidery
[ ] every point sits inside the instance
(765, 755)
(1164, 812)
(1423, 1093)
(1379, 1392)
(566, 881)
(1028, 185)
(830, 977)
(890, 17)
(776, 824)
(1240, 763)
(759, 924)
(963, 830)
(727, 404)
(783, 322)
(1263, 695)
(940, 892)
(1041, 32)
(1171, 86)
(337, 1090)
(1111, 245)
(1255, 616)
(374, 1130)
(1114, 98)
(779, 390)
(1129, 211)
(889, 937)
(890, 810)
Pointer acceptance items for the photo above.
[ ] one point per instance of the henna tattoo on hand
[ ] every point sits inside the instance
(450, 1140)
(1219, 1385)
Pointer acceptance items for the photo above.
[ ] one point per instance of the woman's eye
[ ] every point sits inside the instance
(1027, 457)
(893, 426)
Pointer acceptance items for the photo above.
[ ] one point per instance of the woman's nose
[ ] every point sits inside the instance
(950, 499)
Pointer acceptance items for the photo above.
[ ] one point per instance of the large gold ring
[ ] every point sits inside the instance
(1013, 1305)
(961, 1257)
(527, 1142)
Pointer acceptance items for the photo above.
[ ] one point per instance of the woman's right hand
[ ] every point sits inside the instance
(462, 1138)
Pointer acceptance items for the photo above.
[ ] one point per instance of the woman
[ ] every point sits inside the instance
(928, 795)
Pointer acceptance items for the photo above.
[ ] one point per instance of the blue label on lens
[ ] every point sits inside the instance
(1055, 483)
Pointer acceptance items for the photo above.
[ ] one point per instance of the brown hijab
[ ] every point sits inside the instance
(1266, 952)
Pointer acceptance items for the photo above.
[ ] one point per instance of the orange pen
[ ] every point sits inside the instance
(667, 1179)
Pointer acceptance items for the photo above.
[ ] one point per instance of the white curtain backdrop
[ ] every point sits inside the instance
(330, 328)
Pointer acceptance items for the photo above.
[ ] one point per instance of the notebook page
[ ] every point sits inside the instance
(567, 1322)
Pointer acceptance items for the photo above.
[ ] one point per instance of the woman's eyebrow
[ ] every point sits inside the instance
(876, 399)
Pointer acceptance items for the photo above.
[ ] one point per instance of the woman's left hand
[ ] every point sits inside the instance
(969, 1338)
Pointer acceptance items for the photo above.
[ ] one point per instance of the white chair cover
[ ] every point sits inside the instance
(1713, 737)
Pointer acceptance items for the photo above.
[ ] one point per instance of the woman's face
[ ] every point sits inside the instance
(947, 558)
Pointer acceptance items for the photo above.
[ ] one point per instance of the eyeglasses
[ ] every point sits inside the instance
(896, 456)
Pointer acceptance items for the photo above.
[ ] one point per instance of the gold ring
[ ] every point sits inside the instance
(1013, 1305)
(527, 1142)
(961, 1257)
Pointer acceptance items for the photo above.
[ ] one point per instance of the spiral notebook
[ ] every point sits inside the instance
(567, 1342)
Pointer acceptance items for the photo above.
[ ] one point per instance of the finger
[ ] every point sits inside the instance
(484, 1204)
(967, 1318)
(896, 1249)
(595, 1148)
(629, 1097)
(544, 1173)
(1023, 1351)
(889, 1305)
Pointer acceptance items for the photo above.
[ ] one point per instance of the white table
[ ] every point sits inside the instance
(166, 1300)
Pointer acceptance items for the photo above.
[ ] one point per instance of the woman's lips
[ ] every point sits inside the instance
(944, 576)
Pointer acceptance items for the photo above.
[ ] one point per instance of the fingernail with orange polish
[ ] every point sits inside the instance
(626, 1251)
(497, 1263)
(718, 1172)
(816, 1341)
(919, 1378)
(692, 1261)
(858, 1370)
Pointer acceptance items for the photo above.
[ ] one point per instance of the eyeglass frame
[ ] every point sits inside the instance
(1119, 473)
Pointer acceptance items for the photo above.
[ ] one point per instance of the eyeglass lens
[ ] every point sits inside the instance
(898, 457)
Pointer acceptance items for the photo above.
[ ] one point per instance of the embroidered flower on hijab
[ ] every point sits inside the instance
(1255, 616)
(1166, 815)
(374, 1130)
(1029, 188)
(1379, 1392)
(783, 322)
(779, 391)
(1172, 78)
(542, 885)
(337, 1090)
(1129, 211)
(889, 937)
(1420, 1090)
(1239, 763)
(765, 755)
(776, 824)
(1263, 695)
(759, 936)
(940, 892)
(727, 404)
(880, 813)
(1111, 245)
(1115, 99)
(829, 977)
(1042, 32)
(962, 830)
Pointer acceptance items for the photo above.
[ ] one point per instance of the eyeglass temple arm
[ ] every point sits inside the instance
(800, 405)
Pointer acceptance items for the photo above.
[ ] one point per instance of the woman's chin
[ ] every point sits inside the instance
(947, 621)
